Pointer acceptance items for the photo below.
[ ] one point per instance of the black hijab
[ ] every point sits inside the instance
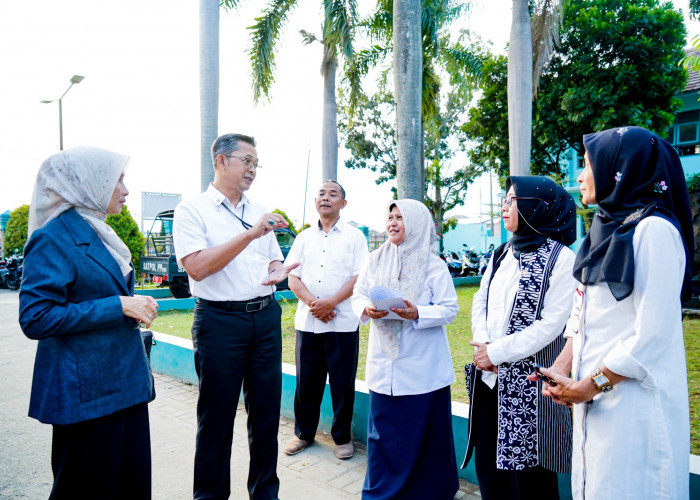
(636, 174)
(551, 215)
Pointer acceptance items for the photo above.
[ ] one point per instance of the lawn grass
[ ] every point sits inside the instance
(459, 334)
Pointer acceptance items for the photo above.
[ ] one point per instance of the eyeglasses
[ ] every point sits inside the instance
(509, 201)
(247, 161)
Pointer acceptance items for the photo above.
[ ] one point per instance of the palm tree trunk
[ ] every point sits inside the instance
(329, 135)
(520, 89)
(208, 84)
(408, 67)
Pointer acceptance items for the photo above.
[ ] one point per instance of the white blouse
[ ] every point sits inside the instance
(424, 363)
(633, 442)
(556, 307)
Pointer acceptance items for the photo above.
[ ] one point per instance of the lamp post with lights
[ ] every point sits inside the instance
(75, 79)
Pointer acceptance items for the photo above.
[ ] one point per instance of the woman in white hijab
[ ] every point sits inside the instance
(410, 447)
(91, 376)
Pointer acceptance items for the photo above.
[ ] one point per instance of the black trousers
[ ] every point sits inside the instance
(496, 484)
(318, 354)
(233, 349)
(107, 457)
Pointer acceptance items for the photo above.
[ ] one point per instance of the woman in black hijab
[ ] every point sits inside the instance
(521, 439)
(625, 339)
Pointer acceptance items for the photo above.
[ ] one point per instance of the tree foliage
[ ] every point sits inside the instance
(616, 65)
(371, 138)
(16, 230)
(126, 228)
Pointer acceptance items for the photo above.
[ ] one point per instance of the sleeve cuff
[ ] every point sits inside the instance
(495, 354)
(620, 361)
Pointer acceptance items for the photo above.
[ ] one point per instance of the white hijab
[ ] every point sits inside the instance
(83, 178)
(402, 267)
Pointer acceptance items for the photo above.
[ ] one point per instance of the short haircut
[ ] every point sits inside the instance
(227, 144)
(342, 191)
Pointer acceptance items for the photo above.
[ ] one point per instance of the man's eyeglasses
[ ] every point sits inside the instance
(247, 161)
(509, 200)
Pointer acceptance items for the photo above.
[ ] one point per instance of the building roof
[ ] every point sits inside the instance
(693, 83)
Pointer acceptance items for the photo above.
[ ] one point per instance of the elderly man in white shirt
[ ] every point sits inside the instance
(226, 244)
(331, 254)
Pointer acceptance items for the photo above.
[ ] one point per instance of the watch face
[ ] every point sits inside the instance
(600, 380)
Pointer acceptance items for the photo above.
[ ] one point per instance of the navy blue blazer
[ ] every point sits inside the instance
(90, 361)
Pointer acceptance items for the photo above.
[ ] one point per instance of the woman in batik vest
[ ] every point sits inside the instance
(520, 439)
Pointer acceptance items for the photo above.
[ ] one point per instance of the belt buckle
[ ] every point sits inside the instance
(254, 306)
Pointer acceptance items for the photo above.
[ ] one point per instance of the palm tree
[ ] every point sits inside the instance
(527, 37)
(338, 26)
(208, 84)
(408, 64)
(437, 52)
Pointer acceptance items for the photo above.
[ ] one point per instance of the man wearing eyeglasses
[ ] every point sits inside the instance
(227, 245)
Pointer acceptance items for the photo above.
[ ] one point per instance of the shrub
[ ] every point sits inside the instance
(16, 231)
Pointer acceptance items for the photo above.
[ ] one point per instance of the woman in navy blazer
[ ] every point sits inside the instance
(91, 376)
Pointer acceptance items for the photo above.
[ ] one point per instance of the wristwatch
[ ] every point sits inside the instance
(601, 381)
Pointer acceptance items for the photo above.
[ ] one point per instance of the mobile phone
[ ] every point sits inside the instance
(544, 377)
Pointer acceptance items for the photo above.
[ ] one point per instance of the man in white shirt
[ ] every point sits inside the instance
(330, 255)
(227, 245)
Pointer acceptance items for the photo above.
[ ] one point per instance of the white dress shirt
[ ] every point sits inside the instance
(633, 442)
(327, 262)
(556, 307)
(203, 222)
(424, 363)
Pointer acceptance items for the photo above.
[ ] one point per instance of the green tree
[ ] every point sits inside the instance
(371, 138)
(337, 37)
(616, 65)
(126, 228)
(16, 230)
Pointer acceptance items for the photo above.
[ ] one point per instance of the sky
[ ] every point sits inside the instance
(140, 96)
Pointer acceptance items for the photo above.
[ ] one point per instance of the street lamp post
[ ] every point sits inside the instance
(75, 79)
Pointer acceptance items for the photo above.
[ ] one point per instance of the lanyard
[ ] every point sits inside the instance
(245, 224)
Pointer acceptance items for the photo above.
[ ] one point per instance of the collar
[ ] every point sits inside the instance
(339, 225)
(218, 197)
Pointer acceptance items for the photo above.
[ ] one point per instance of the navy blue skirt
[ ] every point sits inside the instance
(410, 447)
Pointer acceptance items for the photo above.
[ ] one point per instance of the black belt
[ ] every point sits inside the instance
(249, 306)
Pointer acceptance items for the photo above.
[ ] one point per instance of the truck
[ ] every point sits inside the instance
(159, 263)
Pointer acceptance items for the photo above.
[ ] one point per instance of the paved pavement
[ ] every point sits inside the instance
(25, 471)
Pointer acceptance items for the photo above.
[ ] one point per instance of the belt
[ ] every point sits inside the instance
(249, 306)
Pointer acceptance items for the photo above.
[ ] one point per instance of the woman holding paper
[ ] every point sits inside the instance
(521, 439)
(410, 448)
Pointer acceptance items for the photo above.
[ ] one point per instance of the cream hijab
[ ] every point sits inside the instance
(402, 267)
(83, 178)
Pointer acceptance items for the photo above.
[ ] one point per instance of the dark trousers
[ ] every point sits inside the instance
(496, 484)
(318, 354)
(232, 349)
(107, 457)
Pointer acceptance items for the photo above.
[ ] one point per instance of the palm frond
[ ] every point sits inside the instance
(544, 25)
(357, 67)
(340, 17)
(307, 37)
(229, 4)
(265, 33)
(430, 105)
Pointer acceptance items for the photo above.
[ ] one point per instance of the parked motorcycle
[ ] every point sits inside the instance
(11, 273)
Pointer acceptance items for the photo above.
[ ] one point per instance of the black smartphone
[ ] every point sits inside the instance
(544, 377)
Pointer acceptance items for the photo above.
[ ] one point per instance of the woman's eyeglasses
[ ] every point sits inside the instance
(509, 200)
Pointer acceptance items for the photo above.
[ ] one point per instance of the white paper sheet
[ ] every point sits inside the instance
(384, 298)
